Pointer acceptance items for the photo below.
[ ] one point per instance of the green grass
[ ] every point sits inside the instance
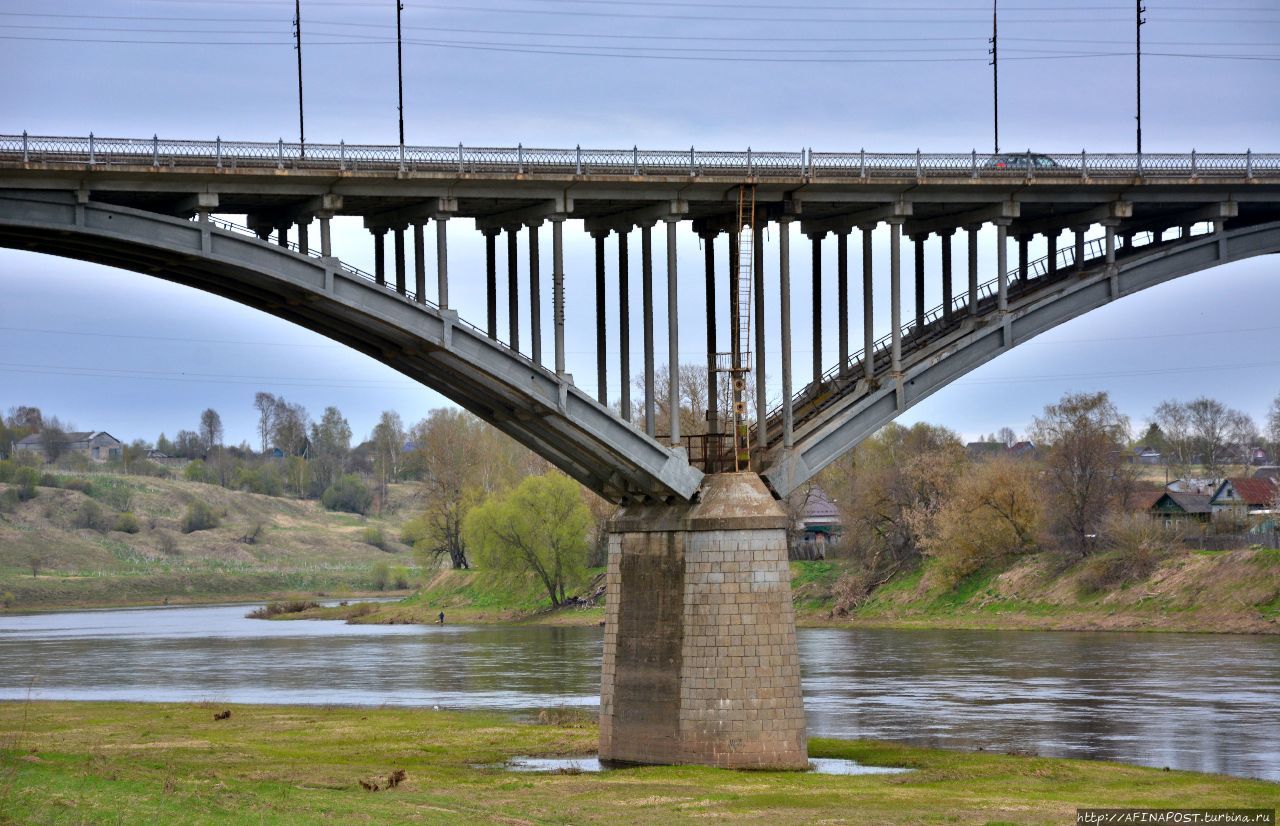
(173, 763)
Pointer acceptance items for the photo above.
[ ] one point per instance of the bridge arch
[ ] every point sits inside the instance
(538, 408)
(865, 407)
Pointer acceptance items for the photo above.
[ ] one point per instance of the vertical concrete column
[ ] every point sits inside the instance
(1023, 240)
(1079, 231)
(1111, 244)
(713, 395)
(326, 238)
(535, 295)
(973, 269)
(282, 235)
(1051, 250)
(919, 296)
(304, 241)
(757, 271)
(868, 306)
(380, 256)
(1184, 232)
(602, 363)
(513, 286)
(842, 298)
(646, 298)
(816, 241)
(784, 311)
(419, 264)
(491, 280)
(673, 333)
(557, 288)
(700, 659)
(398, 236)
(442, 262)
(1002, 264)
(624, 326)
(895, 294)
(947, 295)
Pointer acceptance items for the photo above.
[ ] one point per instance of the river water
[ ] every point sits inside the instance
(1188, 701)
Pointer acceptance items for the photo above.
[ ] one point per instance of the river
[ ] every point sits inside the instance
(1188, 701)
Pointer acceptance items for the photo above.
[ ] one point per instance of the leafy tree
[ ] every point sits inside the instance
(164, 445)
(330, 447)
(25, 480)
(348, 494)
(210, 430)
(994, 511)
(539, 527)
(1085, 437)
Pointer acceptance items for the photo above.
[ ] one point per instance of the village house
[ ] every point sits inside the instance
(96, 446)
(1244, 497)
(818, 527)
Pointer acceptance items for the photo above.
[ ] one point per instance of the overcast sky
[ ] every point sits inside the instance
(122, 352)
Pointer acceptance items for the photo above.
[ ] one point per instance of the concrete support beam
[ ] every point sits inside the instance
(401, 274)
(560, 205)
(557, 288)
(1079, 252)
(602, 341)
(895, 295)
(1051, 250)
(919, 291)
(491, 282)
(282, 235)
(969, 217)
(624, 327)
(849, 220)
(815, 239)
(425, 210)
(513, 286)
(784, 309)
(304, 240)
(442, 262)
(973, 269)
(640, 216)
(1111, 241)
(709, 270)
(1023, 240)
(1086, 218)
(535, 295)
(757, 269)
(326, 236)
(868, 306)
(419, 264)
(842, 298)
(380, 257)
(1002, 265)
(947, 294)
(673, 333)
(646, 298)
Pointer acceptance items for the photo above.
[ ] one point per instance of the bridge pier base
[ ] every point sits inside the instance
(700, 657)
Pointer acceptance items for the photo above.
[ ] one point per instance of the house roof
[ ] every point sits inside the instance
(1144, 500)
(1251, 491)
(1191, 502)
(817, 505)
(1267, 472)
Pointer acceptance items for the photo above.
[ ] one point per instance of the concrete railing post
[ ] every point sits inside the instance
(217, 150)
(92, 155)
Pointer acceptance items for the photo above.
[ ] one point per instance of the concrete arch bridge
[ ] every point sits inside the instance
(700, 661)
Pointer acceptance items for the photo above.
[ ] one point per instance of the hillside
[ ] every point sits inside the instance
(262, 545)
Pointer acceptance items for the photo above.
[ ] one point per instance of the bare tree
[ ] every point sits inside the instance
(1242, 433)
(388, 445)
(1084, 435)
(265, 403)
(1273, 428)
(330, 447)
(53, 437)
(210, 429)
(1174, 421)
(1007, 437)
(1209, 419)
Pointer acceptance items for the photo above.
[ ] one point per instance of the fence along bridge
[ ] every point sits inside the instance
(1160, 215)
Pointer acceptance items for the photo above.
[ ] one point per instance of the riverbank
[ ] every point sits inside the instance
(149, 763)
(1197, 592)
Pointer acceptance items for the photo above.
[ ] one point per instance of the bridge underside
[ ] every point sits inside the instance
(537, 408)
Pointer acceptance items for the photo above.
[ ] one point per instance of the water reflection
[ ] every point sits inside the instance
(1186, 701)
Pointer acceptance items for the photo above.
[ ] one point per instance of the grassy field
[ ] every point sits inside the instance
(48, 561)
(65, 763)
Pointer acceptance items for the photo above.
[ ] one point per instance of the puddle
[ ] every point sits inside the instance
(583, 765)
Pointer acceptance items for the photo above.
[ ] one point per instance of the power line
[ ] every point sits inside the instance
(163, 338)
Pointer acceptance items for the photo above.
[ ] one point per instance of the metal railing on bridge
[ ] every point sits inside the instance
(806, 163)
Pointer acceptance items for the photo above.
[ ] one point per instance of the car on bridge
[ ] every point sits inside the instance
(1021, 161)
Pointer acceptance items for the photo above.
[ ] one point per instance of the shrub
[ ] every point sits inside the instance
(265, 480)
(380, 575)
(79, 484)
(7, 469)
(197, 471)
(373, 536)
(146, 467)
(348, 494)
(24, 481)
(275, 609)
(200, 517)
(48, 480)
(167, 543)
(252, 533)
(127, 523)
(1135, 544)
(400, 578)
(89, 516)
(9, 500)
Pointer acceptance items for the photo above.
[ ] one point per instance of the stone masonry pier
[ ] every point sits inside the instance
(700, 658)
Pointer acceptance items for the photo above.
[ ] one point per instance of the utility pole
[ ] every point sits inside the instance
(297, 45)
(1141, 9)
(400, 67)
(995, 74)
